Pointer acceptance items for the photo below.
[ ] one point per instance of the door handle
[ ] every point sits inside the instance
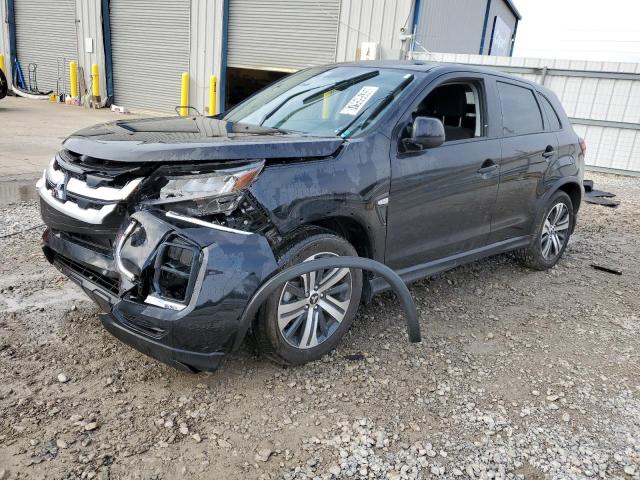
(548, 152)
(487, 166)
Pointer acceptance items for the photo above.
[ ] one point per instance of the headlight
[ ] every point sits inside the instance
(201, 191)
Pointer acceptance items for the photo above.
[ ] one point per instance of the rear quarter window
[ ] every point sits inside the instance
(520, 110)
(552, 115)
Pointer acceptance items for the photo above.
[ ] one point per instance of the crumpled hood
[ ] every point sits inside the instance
(173, 139)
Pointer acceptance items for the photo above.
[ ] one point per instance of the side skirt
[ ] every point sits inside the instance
(424, 270)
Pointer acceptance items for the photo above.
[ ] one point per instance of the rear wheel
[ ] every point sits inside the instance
(308, 316)
(553, 230)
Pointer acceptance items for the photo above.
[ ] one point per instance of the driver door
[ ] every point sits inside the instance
(441, 199)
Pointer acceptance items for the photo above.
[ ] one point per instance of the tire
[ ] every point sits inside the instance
(542, 255)
(4, 85)
(300, 344)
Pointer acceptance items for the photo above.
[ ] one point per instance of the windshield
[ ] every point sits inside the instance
(324, 101)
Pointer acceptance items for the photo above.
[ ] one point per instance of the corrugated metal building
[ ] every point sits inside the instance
(142, 47)
(467, 26)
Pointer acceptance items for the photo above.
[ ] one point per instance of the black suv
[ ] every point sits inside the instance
(171, 225)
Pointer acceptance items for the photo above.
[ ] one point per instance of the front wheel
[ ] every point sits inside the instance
(553, 230)
(308, 316)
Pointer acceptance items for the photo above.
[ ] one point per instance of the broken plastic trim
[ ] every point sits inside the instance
(275, 282)
(123, 270)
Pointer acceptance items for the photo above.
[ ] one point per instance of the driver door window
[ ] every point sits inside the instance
(458, 105)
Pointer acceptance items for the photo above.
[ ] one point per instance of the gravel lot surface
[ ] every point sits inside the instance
(521, 374)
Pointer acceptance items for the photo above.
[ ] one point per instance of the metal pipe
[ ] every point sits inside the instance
(275, 282)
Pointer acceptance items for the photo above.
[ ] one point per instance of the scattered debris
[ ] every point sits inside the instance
(613, 271)
(598, 197)
(354, 357)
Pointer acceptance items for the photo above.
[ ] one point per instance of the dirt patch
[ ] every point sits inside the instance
(521, 374)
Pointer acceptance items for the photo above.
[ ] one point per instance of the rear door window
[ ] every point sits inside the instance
(552, 115)
(520, 110)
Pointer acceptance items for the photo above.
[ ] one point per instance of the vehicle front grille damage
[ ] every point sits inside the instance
(108, 283)
(102, 195)
(175, 269)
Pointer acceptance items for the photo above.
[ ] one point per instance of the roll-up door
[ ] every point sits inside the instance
(46, 37)
(282, 34)
(150, 51)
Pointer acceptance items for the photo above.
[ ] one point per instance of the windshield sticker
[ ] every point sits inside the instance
(358, 101)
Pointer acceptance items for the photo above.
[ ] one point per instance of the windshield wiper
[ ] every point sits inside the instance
(380, 104)
(342, 84)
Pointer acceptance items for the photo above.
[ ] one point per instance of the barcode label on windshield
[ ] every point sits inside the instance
(358, 101)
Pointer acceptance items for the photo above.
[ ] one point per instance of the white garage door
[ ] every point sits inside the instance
(150, 50)
(282, 34)
(46, 38)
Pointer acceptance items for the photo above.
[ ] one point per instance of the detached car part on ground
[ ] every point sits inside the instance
(191, 232)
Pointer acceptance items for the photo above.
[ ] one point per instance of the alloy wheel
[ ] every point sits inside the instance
(555, 231)
(312, 306)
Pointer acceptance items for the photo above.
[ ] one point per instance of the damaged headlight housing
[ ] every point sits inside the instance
(201, 191)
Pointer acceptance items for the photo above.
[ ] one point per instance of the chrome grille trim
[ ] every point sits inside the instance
(107, 194)
(89, 215)
(75, 186)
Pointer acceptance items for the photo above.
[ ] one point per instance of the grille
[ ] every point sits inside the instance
(110, 284)
(96, 172)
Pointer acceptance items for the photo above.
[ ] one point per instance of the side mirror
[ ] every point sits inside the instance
(428, 132)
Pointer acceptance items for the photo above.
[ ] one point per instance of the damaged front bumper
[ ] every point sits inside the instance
(190, 330)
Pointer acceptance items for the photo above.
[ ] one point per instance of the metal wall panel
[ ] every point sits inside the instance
(451, 26)
(150, 48)
(501, 9)
(377, 21)
(206, 48)
(46, 36)
(89, 15)
(282, 34)
(602, 99)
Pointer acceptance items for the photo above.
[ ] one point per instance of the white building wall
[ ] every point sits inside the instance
(205, 51)
(377, 21)
(587, 99)
(89, 21)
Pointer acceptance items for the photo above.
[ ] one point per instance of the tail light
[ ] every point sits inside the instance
(583, 145)
(175, 269)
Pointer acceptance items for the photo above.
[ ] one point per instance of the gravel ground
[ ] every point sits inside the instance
(521, 374)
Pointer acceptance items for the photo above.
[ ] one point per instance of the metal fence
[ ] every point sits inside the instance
(602, 100)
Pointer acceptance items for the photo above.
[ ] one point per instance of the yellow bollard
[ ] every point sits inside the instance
(184, 95)
(2, 63)
(73, 79)
(96, 101)
(212, 94)
(95, 81)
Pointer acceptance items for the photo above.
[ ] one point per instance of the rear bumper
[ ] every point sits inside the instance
(194, 337)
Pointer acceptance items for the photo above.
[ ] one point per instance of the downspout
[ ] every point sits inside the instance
(513, 38)
(484, 27)
(108, 62)
(417, 11)
(13, 52)
(223, 56)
